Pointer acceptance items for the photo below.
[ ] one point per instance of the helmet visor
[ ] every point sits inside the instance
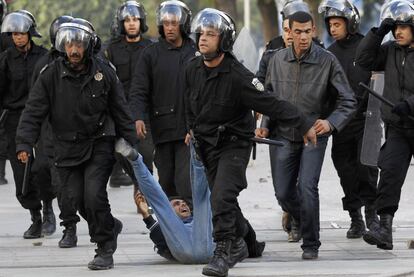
(208, 19)
(70, 36)
(16, 23)
(341, 6)
(130, 10)
(170, 13)
(294, 7)
(398, 10)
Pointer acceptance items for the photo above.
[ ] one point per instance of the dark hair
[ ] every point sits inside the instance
(301, 17)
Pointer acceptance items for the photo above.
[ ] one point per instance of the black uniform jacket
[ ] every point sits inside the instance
(16, 69)
(345, 50)
(125, 56)
(158, 89)
(227, 97)
(81, 109)
(398, 65)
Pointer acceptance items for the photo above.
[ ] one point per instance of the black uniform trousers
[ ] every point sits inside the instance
(226, 174)
(31, 199)
(358, 181)
(172, 160)
(3, 144)
(394, 160)
(84, 187)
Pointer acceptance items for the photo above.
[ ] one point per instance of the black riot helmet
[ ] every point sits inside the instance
(293, 6)
(174, 10)
(131, 9)
(401, 11)
(343, 9)
(20, 21)
(79, 31)
(219, 21)
(3, 10)
(55, 26)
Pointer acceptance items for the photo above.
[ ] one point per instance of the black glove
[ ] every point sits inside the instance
(386, 26)
(401, 109)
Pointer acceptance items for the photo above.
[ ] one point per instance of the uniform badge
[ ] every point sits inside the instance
(98, 76)
(258, 85)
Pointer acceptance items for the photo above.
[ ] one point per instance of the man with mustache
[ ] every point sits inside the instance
(358, 181)
(124, 53)
(86, 108)
(157, 89)
(396, 59)
(16, 68)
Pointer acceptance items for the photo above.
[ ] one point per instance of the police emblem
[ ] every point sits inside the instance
(98, 76)
(258, 85)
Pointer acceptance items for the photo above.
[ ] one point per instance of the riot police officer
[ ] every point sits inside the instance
(44, 165)
(359, 182)
(87, 109)
(124, 52)
(396, 59)
(16, 67)
(220, 96)
(158, 89)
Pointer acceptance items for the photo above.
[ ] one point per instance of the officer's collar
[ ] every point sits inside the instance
(309, 57)
(224, 66)
(33, 49)
(66, 71)
(169, 46)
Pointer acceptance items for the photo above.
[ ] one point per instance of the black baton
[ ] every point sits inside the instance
(381, 98)
(26, 176)
(267, 141)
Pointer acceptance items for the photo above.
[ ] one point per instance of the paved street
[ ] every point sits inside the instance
(135, 256)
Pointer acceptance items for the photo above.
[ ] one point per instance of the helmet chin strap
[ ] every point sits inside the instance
(211, 56)
(133, 36)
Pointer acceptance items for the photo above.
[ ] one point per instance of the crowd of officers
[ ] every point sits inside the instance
(62, 109)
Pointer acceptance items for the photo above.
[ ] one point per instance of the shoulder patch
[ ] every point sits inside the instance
(258, 85)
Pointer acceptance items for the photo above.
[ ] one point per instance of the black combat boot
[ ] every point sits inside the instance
(69, 238)
(219, 263)
(295, 234)
(382, 236)
(35, 230)
(3, 180)
(119, 177)
(238, 252)
(357, 228)
(371, 218)
(49, 220)
(104, 257)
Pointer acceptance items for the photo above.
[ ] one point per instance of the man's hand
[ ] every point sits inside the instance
(262, 132)
(322, 126)
(141, 204)
(386, 26)
(141, 130)
(23, 156)
(187, 139)
(401, 109)
(310, 136)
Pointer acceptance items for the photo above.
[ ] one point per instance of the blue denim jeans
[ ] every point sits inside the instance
(192, 242)
(296, 170)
